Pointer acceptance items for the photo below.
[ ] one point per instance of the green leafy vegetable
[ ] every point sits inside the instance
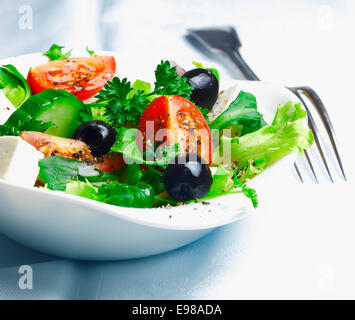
(82, 189)
(168, 82)
(93, 111)
(225, 181)
(140, 195)
(134, 174)
(204, 112)
(247, 191)
(271, 143)
(248, 172)
(14, 85)
(222, 181)
(56, 172)
(154, 177)
(102, 178)
(32, 125)
(121, 105)
(56, 53)
(243, 113)
(126, 144)
(144, 87)
(90, 52)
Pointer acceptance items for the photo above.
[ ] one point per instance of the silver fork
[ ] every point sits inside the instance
(225, 41)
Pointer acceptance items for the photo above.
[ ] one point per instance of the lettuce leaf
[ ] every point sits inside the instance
(126, 144)
(242, 112)
(140, 195)
(264, 147)
(82, 189)
(14, 85)
(225, 181)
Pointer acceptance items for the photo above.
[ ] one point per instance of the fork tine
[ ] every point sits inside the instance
(298, 171)
(318, 104)
(311, 165)
(315, 131)
(317, 140)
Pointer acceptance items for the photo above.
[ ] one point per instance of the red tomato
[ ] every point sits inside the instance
(74, 149)
(109, 163)
(183, 123)
(83, 77)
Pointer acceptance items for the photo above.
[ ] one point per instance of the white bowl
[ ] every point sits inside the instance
(78, 228)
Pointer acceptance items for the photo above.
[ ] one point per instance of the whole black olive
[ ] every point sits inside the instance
(206, 87)
(187, 177)
(98, 135)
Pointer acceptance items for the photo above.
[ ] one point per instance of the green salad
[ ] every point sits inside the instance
(139, 144)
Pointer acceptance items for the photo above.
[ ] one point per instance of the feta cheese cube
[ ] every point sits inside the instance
(18, 161)
(6, 108)
(225, 98)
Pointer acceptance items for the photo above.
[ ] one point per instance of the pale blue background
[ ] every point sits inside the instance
(301, 242)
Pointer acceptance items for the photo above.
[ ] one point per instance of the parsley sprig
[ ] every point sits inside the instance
(168, 82)
(124, 104)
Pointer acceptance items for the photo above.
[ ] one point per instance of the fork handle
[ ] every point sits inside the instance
(238, 60)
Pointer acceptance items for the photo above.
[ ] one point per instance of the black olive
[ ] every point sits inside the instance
(98, 135)
(187, 177)
(206, 87)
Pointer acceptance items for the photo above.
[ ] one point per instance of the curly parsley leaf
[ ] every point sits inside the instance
(56, 53)
(121, 106)
(168, 82)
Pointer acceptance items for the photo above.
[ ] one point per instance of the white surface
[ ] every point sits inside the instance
(18, 161)
(301, 241)
(84, 229)
(6, 108)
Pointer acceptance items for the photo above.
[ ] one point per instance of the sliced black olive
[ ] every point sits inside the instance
(98, 135)
(206, 87)
(188, 177)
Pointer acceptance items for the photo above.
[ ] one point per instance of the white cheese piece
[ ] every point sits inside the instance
(6, 108)
(18, 161)
(213, 170)
(225, 98)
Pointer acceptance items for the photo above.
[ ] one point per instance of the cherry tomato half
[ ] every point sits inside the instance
(82, 77)
(174, 119)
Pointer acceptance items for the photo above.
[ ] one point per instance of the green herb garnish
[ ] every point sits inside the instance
(56, 53)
